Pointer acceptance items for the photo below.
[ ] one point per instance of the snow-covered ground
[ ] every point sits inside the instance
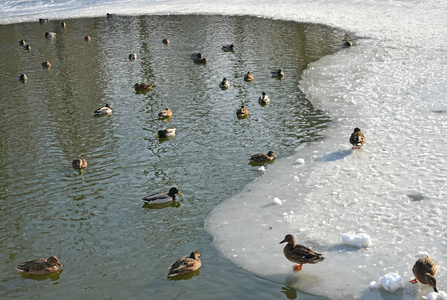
(393, 85)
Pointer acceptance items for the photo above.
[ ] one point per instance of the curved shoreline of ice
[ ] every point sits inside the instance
(392, 84)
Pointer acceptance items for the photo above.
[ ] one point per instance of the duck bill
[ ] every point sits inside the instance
(283, 241)
(180, 194)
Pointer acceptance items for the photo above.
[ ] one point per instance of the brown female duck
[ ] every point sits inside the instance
(142, 87)
(262, 157)
(165, 113)
(425, 270)
(79, 163)
(357, 138)
(40, 266)
(249, 77)
(242, 112)
(299, 254)
(185, 264)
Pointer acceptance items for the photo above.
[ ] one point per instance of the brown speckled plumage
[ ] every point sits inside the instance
(299, 254)
(185, 264)
(40, 266)
(425, 270)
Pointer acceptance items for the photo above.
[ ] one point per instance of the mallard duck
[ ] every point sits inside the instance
(105, 110)
(132, 56)
(111, 15)
(242, 112)
(198, 58)
(224, 84)
(40, 266)
(357, 138)
(262, 157)
(264, 99)
(347, 42)
(166, 133)
(79, 163)
(185, 264)
(278, 73)
(425, 270)
(165, 41)
(50, 35)
(27, 47)
(142, 87)
(41, 21)
(46, 64)
(22, 43)
(22, 77)
(63, 24)
(165, 113)
(87, 38)
(249, 77)
(228, 47)
(162, 197)
(299, 254)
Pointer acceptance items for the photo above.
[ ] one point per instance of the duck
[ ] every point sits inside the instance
(105, 110)
(22, 43)
(142, 87)
(111, 15)
(40, 266)
(198, 58)
(41, 21)
(132, 56)
(87, 38)
(299, 254)
(165, 41)
(165, 113)
(162, 197)
(50, 35)
(262, 157)
(224, 84)
(347, 42)
(63, 24)
(27, 47)
(79, 163)
(242, 112)
(22, 77)
(425, 270)
(185, 264)
(264, 99)
(46, 64)
(249, 77)
(166, 133)
(278, 73)
(357, 138)
(228, 47)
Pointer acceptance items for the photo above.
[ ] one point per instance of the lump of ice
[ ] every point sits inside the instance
(361, 240)
(261, 169)
(300, 161)
(437, 296)
(277, 201)
(390, 282)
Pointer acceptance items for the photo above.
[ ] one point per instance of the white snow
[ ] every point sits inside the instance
(437, 296)
(361, 240)
(392, 84)
(390, 282)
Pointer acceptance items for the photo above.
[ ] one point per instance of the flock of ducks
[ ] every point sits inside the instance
(424, 269)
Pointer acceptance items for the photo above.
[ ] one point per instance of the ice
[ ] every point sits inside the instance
(437, 296)
(361, 240)
(392, 84)
(390, 282)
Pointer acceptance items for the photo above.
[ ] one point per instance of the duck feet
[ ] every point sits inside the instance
(414, 281)
(297, 267)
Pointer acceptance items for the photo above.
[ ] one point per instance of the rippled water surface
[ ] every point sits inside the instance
(111, 245)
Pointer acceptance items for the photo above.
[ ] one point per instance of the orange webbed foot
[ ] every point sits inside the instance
(414, 281)
(297, 267)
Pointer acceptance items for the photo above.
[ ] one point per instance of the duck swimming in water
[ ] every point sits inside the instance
(262, 157)
(249, 77)
(162, 197)
(224, 84)
(105, 110)
(185, 264)
(40, 266)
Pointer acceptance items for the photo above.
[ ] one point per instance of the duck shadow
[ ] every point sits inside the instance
(337, 155)
(343, 248)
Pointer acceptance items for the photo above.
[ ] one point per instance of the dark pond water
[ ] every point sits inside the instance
(111, 245)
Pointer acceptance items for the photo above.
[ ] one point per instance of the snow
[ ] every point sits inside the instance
(437, 296)
(392, 84)
(390, 282)
(361, 240)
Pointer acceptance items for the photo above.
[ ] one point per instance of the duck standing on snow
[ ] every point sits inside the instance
(105, 110)
(79, 163)
(40, 266)
(299, 254)
(224, 84)
(242, 112)
(185, 264)
(262, 157)
(228, 47)
(278, 73)
(162, 197)
(357, 138)
(166, 133)
(425, 270)
(249, 77)
(264, 99)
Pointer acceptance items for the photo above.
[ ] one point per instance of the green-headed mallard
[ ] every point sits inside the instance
(224, 84)
(166, 133)
(22, 77)
(46, 64)
(142, 87)
(357, 138)
(40, 266)
(242, 112)
(185, 264)
(132, 56)
(162, 197)
(299, 254)
(165, 41)
(264, 99)
(50, 35)
(105, 110)
(165, 113)
(87, 38)
(425, 270)
(228, 47)
(249, 77)
(278, 73)
(262, 157)
(198, 58)
(79, 163)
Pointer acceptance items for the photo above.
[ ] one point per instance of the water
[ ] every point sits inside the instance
(111, 245)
